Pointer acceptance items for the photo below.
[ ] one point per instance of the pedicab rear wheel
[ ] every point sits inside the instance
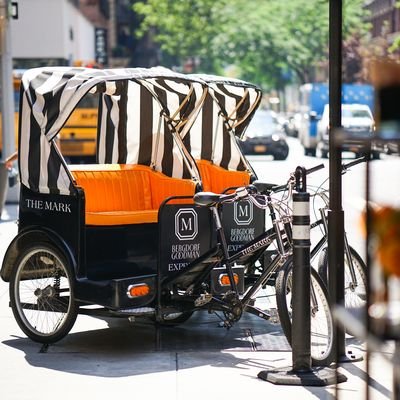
(41, 293)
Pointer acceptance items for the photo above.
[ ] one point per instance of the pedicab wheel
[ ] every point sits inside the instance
(41, 294)
(321, 324)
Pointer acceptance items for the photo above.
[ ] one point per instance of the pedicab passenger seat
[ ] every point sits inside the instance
(216, 179)
(122, 194)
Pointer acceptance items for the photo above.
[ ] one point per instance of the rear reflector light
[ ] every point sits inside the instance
(138, 290)
(225, 281)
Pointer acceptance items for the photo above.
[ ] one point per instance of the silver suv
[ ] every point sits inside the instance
(357, 120)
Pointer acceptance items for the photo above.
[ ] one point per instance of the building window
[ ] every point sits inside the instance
(104, 8)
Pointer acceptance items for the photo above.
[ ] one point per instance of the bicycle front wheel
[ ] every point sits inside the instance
(355, 277)
(321, 324)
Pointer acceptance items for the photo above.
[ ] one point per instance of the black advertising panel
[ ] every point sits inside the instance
(185, 234)
(242, 222)
(61, 214)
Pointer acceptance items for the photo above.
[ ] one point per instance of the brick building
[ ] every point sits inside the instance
(385, 18)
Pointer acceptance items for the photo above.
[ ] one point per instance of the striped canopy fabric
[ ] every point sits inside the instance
(140, 112)
(227, 110)
(141, 123)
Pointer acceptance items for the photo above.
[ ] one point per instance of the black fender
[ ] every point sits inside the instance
(31, 235)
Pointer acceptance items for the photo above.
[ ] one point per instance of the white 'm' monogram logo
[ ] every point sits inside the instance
(186, 224)
(243, 212)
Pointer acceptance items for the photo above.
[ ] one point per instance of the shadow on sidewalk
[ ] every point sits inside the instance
(126, 349)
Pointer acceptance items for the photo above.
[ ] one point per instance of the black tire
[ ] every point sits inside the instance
(322, 332)
(376, 155)
(310, 151)
(282, 153)
(41, 293)
(281, 156)
(324, 154)
(355, 292)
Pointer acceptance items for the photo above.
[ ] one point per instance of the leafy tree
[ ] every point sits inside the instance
(269, 42)
(184, 28)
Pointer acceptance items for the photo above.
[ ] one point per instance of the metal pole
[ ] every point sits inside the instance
(6, 84)
(335, 213)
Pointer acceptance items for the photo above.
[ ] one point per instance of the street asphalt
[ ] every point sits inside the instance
(114, 358)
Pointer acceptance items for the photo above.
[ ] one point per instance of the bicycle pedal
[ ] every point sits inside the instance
(274, 316)
(203, 299)
(225, 324)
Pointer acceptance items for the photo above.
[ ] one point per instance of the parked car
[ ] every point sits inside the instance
(392, 147)
(291, 124)
(265, 136)
(357, 121)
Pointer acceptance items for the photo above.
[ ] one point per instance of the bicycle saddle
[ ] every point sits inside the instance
(264, 187)
(207, 198)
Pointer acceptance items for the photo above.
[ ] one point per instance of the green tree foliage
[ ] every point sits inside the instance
(268, 42)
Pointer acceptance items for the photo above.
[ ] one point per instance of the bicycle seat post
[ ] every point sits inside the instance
(222, 241)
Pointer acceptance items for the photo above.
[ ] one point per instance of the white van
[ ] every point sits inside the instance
(357, 120)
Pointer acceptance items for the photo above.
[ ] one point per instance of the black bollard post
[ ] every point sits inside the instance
(301, 373)
(301, 329)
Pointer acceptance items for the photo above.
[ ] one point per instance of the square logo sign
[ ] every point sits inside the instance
(243, 212)
(186, 224)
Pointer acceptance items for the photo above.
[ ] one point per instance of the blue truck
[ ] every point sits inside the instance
(314, 96)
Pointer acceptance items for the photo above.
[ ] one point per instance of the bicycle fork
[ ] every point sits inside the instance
(353, 284)
(222, 241)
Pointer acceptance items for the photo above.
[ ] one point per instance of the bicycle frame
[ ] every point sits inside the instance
(323, 219)
(219, 256)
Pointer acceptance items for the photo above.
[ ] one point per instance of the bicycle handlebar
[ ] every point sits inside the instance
(209, 198)
(350, 164)
(270, 187)
(314, 169)
(267, 188)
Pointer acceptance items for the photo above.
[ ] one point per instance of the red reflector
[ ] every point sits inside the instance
(138, 290)
(224, 279)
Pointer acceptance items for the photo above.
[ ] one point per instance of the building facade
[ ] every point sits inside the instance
(50, 32)
(79, 32)
(384, 18)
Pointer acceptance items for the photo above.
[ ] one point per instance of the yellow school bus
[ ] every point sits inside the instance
(78, 137)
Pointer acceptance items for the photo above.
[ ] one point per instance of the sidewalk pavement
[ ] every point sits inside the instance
(112, 358)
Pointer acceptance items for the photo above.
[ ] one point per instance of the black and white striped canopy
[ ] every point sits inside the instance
(140, 112)
(226, 112)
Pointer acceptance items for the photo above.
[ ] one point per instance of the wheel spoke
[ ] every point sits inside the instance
(41, 295)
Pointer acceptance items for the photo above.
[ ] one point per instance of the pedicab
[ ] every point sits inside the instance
(134, 235)
(90, 234)
(212, 141)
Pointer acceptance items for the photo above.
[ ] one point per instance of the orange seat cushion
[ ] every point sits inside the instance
(216, 179)
(121, 217)
(120, 194)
